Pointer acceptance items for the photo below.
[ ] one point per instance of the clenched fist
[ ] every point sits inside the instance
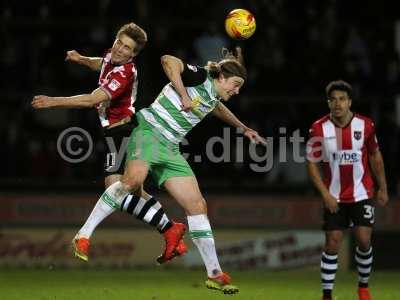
(73, 56)
(42, 101)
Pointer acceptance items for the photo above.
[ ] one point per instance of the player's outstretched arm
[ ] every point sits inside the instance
(93, 63)
(173, 67)
(79, 101)
(223, 113)
(378, 169)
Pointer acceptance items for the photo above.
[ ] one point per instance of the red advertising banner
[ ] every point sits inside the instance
(45, 247)
(224, 210)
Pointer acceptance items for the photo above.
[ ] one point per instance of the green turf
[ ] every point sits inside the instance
(162, 284)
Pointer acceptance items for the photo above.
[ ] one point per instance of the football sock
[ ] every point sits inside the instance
(149, 211)
(364, 265)
(202, 237)
(329, 266)
(109, 201)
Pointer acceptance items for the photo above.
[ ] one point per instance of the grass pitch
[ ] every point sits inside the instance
(163, 284)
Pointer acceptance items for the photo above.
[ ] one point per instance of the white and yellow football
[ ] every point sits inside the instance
(240, 24)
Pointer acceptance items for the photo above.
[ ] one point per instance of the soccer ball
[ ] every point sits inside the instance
(240, 24)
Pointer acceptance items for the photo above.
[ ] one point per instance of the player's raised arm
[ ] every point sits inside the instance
(224, 113)
(93, 63)
(78, 101)
(173, 67)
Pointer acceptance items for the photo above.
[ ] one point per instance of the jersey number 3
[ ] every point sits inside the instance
(369, 212)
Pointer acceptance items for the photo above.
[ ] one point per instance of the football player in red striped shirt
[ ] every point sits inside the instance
(114, 99)
(344, 144)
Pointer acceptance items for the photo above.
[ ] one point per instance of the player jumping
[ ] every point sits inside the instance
(114, 100)
(193, 93)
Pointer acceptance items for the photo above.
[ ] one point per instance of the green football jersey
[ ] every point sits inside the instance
(165, 113)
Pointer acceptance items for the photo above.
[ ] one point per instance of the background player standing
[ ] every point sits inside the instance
(345, 145)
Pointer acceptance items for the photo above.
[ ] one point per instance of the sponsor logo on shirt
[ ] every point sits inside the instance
(201, 105)
(196, 102)
(114, 85)
(346, 157)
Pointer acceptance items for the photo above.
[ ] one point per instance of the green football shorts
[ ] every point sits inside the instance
(162, 156)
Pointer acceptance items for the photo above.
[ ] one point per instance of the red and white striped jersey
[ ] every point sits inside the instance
(343, 153)
(120, 83)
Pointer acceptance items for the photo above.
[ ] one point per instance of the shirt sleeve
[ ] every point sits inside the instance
(193, 75)
(116, 82)
(371, 141)
(314, 145)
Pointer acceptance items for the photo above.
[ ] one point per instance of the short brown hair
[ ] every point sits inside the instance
(231, 65)
(339, 85)
(136, 33)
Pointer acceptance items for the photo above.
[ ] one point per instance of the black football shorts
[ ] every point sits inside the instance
(116, 142)
(361, 213)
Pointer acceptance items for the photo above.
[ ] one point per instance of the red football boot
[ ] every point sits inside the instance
(363, 294)
(81, 248)
(222, 282)
(174, 245)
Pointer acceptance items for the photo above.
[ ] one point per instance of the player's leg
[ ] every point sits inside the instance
(115, 141)
(144, 206)
(186, 192)
(144, 146)
(363, 216)
(132, 180)
(329, 261)
(147, 209)
(364, 259)
(144, 152)
(334, 224)
(139, 155)
(100, 211)
(139, 204)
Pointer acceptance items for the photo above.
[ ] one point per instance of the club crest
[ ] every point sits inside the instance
(357, 135)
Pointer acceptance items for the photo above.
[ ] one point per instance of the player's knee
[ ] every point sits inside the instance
(364, 245)
(109, 180)
(332, 245)
(203, 206)
(131, 182)
(197, 207)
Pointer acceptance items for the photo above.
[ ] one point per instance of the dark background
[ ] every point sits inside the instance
(298, 48)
